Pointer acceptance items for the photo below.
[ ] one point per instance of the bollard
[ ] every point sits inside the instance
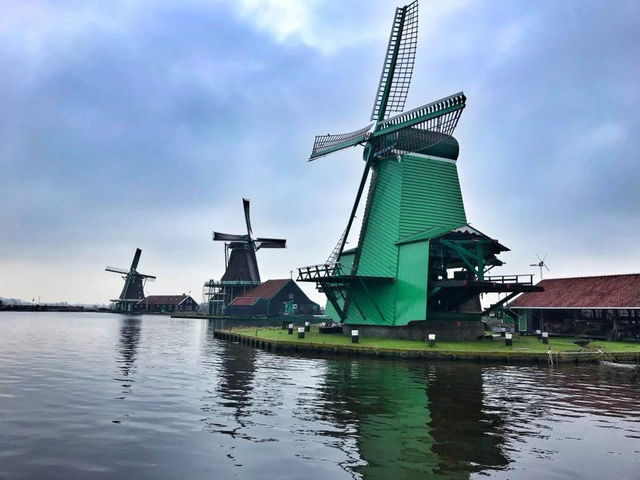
(290, 329)
(307, 327)
(538, 334)
(508, 339)
(300, 332)
(355, 336)
(432, 339)
(545, 337)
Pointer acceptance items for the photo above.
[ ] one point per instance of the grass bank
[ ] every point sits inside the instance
(526, 348)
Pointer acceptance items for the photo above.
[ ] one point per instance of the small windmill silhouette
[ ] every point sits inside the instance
(541, 264)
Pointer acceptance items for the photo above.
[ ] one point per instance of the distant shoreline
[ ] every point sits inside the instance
(51, 308)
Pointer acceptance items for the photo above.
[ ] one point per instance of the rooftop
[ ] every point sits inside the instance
(244, 300)
(605, 291)
(163, 300)
(265, 290)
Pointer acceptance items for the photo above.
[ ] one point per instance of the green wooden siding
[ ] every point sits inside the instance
(409, 197)
(379, 254)
(431, 195)
(411, 283)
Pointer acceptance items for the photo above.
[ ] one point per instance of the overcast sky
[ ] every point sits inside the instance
(144, 123)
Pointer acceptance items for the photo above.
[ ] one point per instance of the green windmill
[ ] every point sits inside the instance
(417, 261)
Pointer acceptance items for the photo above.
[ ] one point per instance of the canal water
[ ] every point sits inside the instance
(105, 396)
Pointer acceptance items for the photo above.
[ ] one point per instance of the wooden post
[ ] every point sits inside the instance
(300, 332)
(290, 329)
(545, 337)
(539, 334)
(432, 339)
(307, 326)
(508, 339)
(355, 336)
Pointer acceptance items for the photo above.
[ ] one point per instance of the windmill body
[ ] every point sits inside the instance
(418, 264)
(241, 272)
(133, 289)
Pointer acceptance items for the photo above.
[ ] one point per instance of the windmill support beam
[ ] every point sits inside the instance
(473, 259)
(363, 182)
(372, 300)
(328, 291)
(501, 302)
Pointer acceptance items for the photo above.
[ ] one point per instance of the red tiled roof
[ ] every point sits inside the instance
(162, 299)
(244, 301)
(267, 289)
(609, 291)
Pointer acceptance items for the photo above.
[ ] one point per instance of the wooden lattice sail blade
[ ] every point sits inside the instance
(397, 69)
(271, 242)
(136, 259)
(433, 114)
(228, 237)
(415, 140)
(116, 270)
(326, 144)
(421, 128)
(246, 205)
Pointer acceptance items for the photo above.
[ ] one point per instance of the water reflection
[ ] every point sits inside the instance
(205, 408)
(231, 397)
(127, 349)
(468, 437)
(413, 421)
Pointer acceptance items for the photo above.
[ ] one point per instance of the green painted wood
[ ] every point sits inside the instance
(411, 288)
(346, 260)
(411, 197)
(431, 195)
(379, 255)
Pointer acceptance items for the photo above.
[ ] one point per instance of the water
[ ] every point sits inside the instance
(107, 396)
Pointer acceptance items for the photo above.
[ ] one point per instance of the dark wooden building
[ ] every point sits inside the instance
(273, 297)
(601, 307)
(167, 303)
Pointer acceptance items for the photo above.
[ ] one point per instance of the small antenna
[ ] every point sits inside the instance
(540, 264)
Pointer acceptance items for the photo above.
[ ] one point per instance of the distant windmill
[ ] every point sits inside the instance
(540, 264)
(133, 290)
(241, 264)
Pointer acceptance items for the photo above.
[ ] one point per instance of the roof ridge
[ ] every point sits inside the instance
(593, 276)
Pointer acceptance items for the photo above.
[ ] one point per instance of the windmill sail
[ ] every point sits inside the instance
(246, 205)
(397, 69)
(271, 243)
(325, 144)
(116, 270)
(228, 237)
(419, 129)
(136, 259)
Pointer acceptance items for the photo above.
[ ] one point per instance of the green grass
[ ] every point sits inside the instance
(520, 344)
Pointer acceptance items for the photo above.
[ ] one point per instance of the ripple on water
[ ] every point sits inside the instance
(106, 396)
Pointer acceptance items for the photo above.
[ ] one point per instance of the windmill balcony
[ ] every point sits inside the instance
(315, 272)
